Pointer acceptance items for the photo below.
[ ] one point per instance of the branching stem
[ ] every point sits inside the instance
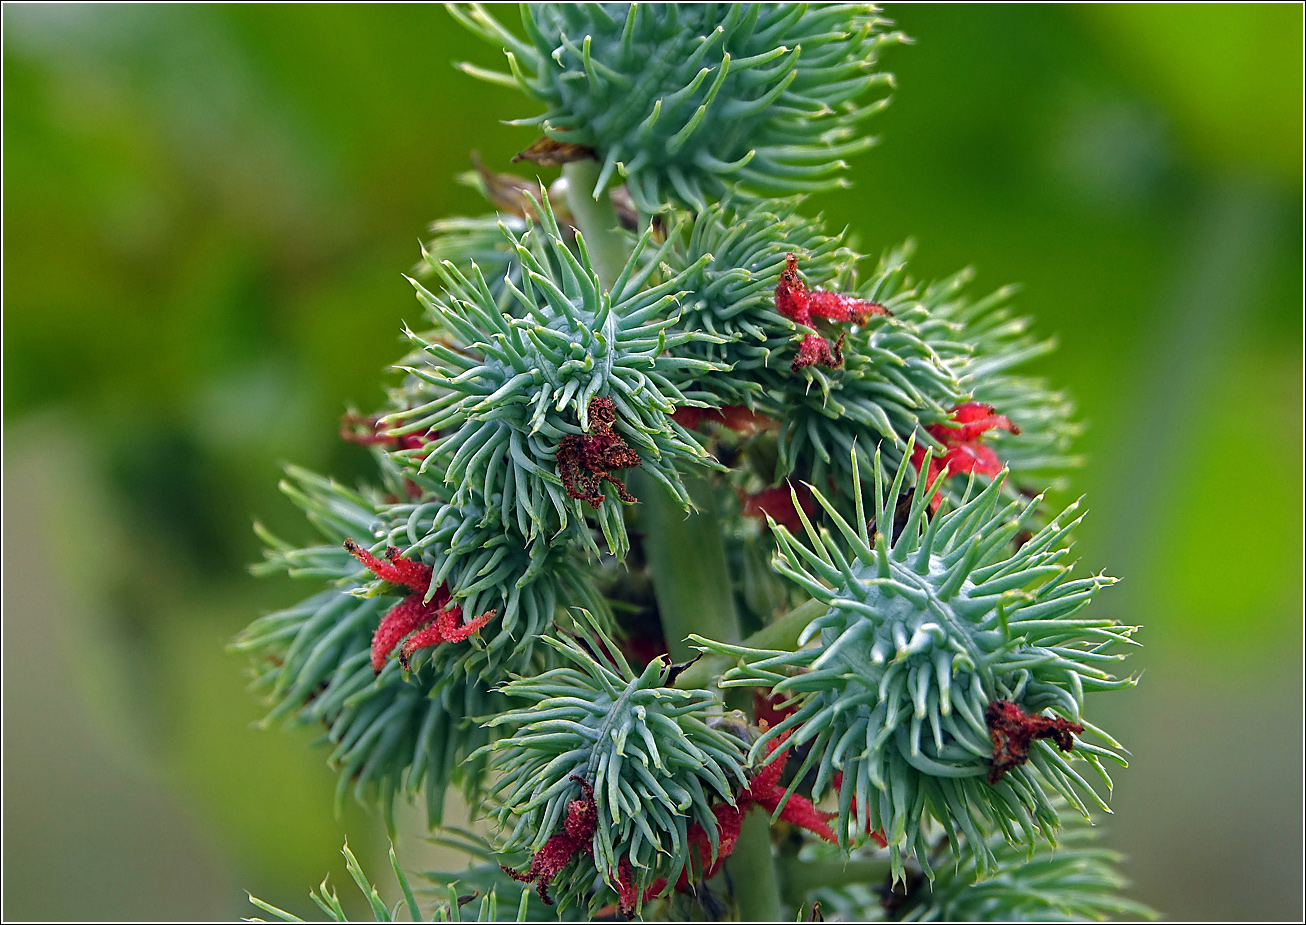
(687, 560)
(753, 872)
(686, 555)
(596, 219)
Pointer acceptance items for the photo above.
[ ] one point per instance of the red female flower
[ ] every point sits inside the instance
(1013, 731)
(434, 621)
(764, 792)
(798, 303)
(576, 837)
(963, 452)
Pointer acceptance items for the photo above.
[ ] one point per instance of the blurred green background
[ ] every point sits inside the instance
(207, 211)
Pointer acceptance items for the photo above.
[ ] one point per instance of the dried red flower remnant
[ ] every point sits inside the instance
(576, 837)
(778, 504)
(549, 152)
(586, 461)
(627, 891)
(798, 303)
(963, 452)
(1013, 731)
(435, 621)
(816, 349)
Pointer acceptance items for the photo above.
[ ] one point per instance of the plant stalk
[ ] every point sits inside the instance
(813, 875)
(753, 872)
(687, 560)
(686, 554)
(596, 219)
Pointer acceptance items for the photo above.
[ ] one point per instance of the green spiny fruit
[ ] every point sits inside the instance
(732, 295)
(480, 241)
(895, 375)
(508, 406)
(466, 241)
(926, 635)
(391, 730)
(763, 97)
(1071, 881)
(388, 734)
(490, 567)
(630, 758)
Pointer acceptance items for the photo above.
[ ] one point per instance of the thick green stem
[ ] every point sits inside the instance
(686, 554)
(687, 559)
(753, 873)
(596, 219)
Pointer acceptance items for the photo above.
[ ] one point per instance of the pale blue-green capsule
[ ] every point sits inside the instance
(914, 674)
(687, 102)
(520, 382)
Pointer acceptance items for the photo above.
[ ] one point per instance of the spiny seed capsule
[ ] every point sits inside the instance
(733, 294)
(893, 376)
(630, 752)
(488, 566)
(895, 685)
(510, 397)
(766, 100)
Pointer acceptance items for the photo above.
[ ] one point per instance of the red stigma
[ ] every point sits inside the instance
(963, 451)
(802, 305)
(429, 622)
(764, 792)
